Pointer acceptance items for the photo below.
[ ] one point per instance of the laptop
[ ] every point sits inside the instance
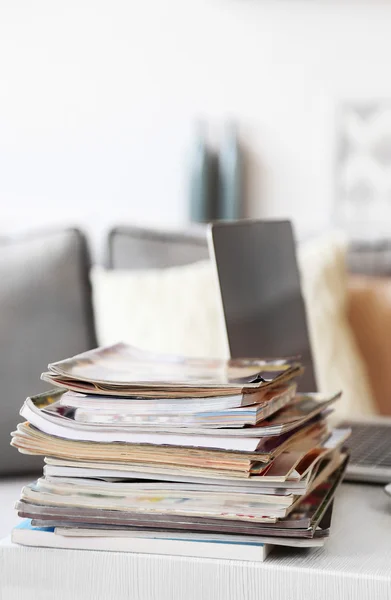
(264, 314)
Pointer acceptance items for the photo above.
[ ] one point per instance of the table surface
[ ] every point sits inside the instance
(354, 563)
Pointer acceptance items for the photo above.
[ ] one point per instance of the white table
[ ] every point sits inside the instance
(355, 564)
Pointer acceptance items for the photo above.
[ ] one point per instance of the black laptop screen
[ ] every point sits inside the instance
(261, 293)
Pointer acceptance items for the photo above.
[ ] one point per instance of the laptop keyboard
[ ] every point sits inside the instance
(370, 444)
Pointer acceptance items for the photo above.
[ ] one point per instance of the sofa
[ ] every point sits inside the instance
(47, 314)
(45, 311)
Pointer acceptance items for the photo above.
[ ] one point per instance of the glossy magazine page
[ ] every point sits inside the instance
(123, 364)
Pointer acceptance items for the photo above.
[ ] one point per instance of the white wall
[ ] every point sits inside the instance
(97, 98)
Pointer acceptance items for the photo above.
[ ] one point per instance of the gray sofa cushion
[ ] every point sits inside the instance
(45, 315)
(136, 248)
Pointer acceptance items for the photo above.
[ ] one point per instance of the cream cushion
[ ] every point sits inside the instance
(177, 310)
(173, 310)
(337, 359)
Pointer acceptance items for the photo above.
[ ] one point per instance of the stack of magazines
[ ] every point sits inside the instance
(172, 455)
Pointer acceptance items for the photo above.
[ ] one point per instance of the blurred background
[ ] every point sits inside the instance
(99, 101)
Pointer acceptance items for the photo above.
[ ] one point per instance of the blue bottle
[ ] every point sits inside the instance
(230, 201)
(202, 175)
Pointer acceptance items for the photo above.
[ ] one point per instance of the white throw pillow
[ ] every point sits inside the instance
(173, 310)
(337, 359)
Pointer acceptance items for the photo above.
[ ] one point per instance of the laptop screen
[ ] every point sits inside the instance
(260, 291)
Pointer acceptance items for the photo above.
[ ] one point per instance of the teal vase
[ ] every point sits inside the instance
(202, 175)
(230, 167)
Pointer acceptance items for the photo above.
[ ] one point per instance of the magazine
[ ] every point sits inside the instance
(310, 519)
(129, 369)
(52, 416)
